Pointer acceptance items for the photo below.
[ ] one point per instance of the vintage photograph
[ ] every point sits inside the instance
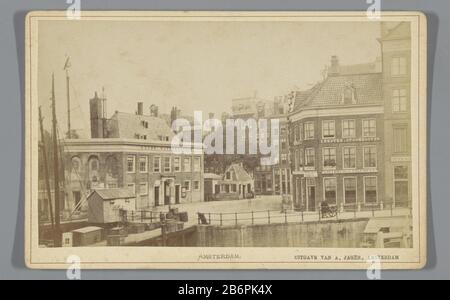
(229, 140)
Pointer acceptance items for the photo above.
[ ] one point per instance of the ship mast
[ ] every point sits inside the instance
(46, 174)
(57, 230)
(66, 68)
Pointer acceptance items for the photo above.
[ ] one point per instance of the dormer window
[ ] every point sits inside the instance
(348, 95)
(144, 124)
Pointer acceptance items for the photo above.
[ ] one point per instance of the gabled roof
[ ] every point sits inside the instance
(111, 194)
(240, 173)
(127, 125)
(367, 89)
(211, 176)
(301, 97)
(365, 68)
(401, 31)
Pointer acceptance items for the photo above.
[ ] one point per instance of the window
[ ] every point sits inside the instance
(370, 157)
(131, 187)
(348, 95)
(370, 189)
(187, 185)
(398, 66)
(283, 143)
(349, 154)
(143, 162)
(400, 140)
(233, 188)
(329, 186)
(297, 132)
(328, 129)
(300, 158)
(348, 128)
(309, 130)
(130, 163)
(228, 175)
(176, 164)
(401, 194)
(94, 165)
(309, 157)
(167, 166)
(369, 128)
(187, 164)
(76, 164)
(284, 158)
(329, 157)
(349, 189)
(156, 164)
(300, 131)
(77, 198)
(196, 185)
(143, 188)
(399, 100)
(197, 164)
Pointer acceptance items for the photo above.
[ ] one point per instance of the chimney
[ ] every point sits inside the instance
(153, 110)
(334, 67)
(140, 108)
(96, 107)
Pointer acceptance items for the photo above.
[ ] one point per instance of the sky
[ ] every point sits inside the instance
(196, 65)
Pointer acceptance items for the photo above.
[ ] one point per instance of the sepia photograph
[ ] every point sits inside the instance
(225, 139)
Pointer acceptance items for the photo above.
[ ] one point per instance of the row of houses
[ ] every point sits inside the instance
(133, 151)
(347, 139)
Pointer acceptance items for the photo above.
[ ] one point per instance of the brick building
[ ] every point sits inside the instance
(269, 179)
(396, 50)
(131, 151)
(337, 133)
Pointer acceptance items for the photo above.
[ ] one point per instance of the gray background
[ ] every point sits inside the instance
(12, 150)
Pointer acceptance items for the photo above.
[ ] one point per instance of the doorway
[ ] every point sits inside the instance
(77, 198)
(311, 198)
(156, 195)
(177, 194)
(166, 193)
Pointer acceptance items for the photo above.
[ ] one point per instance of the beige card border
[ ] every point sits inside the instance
(249, 258)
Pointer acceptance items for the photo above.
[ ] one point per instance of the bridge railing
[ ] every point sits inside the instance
(332, 212)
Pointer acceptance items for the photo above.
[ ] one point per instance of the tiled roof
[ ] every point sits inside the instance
(116, 193)
(241, 174)
(366, 68)
(211, 176)
(401, 31)
(128, 126)
(302, 96)
(367, 90)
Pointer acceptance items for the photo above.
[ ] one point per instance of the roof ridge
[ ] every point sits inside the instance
(392, 30)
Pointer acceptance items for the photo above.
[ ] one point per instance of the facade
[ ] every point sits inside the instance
(337, 134)
(110, 205)
(396, 49)
(131, 151)
(149, 169)
(234, 184)
(273, 179)
(237, 182)
(211, 186)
